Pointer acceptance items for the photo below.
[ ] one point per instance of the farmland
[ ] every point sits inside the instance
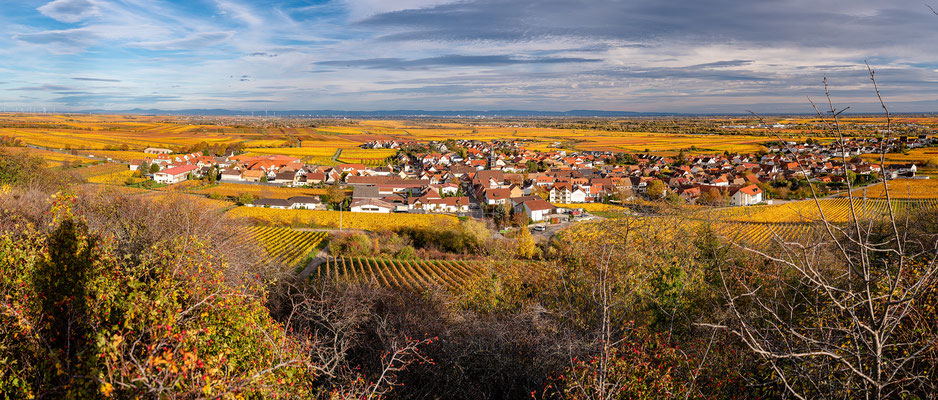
(333, 219)
(124, 137)
(236, 189)
(902, 189)
(834, 210)
(413, 274)
(287, 246)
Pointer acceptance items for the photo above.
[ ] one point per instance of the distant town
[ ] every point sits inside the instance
(495, 178)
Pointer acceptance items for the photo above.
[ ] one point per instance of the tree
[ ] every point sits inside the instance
(19, 168)
(245, 198)
(526, 248)
(154, 168)
(845, 313)
(334, 194)
(656, 189)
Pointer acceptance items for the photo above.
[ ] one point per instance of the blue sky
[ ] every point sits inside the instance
(627, 55)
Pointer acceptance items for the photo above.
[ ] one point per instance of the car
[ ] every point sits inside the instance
(539, 228)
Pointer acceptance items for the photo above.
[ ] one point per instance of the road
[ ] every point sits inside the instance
(61, 151)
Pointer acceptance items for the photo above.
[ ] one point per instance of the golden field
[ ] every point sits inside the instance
(417, 274)
(259, 191)
(285, 245)
(349, 220)
(53, 159)
(807, 211)
(901, 189)
(124, 137)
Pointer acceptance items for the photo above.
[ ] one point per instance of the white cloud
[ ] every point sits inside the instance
(239, 12)
(360, 9)
(194, 41)
(70, 11)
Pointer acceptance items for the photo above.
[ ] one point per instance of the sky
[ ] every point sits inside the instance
(689, 56)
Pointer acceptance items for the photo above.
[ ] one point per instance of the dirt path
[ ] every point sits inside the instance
(320, 259)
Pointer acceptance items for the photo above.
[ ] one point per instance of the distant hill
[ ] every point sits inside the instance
(390, 113)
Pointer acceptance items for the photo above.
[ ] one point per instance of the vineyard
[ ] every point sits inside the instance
(412, 274)
(901, 189)
(53, 159)
(756, 225)
(262, 191)
(114, 178)
(349, 220)
(101, 169)
(834, 210)
(287, 246)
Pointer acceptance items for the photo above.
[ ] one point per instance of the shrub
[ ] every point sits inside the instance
(406, 253)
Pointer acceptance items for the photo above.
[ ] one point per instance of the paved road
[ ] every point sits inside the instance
(91, 156)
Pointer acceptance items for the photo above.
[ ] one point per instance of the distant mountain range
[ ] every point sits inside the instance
(389, 113)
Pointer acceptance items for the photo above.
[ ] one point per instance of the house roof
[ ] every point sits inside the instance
(751, 190)
(538, 205)
(272, 203)
(365, 192)
(182, 169)
(371, 202)
(497, 194)
(304, 199)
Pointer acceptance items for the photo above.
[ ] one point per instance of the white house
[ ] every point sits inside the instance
(747, 195)
(230, 175)
(305, 202)
(372, 206)
(497, 196)
(157, 150)
(560, 194)
(536, 210)
(174, 174)
(448, 204)
(563, 194)
(578, 196)
(271, 203)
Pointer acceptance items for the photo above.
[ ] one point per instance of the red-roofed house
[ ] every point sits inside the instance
(746, 195)
(174, 174)
(537, 209)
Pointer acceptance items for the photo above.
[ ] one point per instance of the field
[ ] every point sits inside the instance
(118, 155)
(259, 191)
(101, 169)
(114, 178)
(124, 137)
(287, 246)
(412, 274)
(835, 210)
(349, 220)
(902, 189)
(754, 225)
(53, 159)
(920, 157)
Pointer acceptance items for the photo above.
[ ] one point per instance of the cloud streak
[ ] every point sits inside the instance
(638, 55)
(452, 60)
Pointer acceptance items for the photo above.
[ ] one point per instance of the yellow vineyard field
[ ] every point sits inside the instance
(902, 189)
(834, 210)
(414, 274)
(285, 245)
(113, 178)
(593, 207)
(259, 191)
(53, 159)
(119, 155)
(349, 220)
(101, 169)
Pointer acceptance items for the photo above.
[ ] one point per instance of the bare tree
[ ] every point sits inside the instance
(844, 316)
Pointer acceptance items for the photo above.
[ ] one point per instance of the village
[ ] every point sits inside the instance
(501, 179)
